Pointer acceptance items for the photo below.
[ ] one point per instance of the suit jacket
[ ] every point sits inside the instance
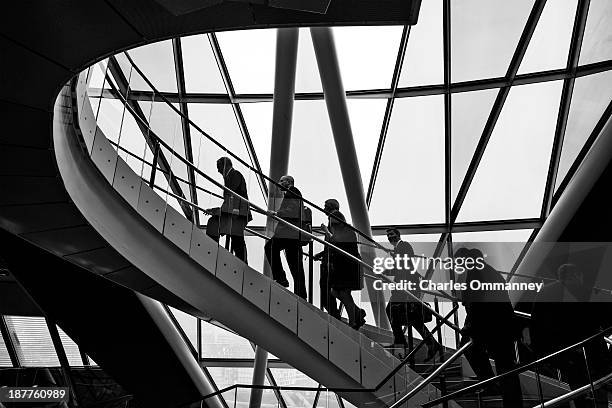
(489, 312)
(290, 210)
(232, 204)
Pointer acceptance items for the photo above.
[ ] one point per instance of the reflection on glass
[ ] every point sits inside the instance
(156, 61)
(166, 124)
(5, 359)
(597, 40)
(424, 60)
(290, 377)
(502, 247)
(249, 56)
(70, 348)
(132, 139)
(220, 343)
(509, 182)
(549, 46)
(367, 55)
(200, 66)
(328, 400)
(227, 376)
(189, 325)
(32, 341)
(590, 98)
(410, 183)
(484, 35)
(470, 111)
(110, 115)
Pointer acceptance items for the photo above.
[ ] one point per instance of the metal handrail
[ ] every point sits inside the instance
(258, 209)
(381, 383)
(515, 371)
(251, 231)
(239, 159)
(433, 375)
(301, 231)
(562, 399)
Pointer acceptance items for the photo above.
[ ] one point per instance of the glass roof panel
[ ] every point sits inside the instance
(549, 45)
(484, 35)
(307, 77)
(502, 248)
(258, 118)
(32, 341)
(166, 124)
(597, 40)
(469, 114)
(188, 323)
(327, 399)
(424, 60)
(290, 377)
(410, 183)
(133, 140)
(367, 55)
(96, 76)
(509, 182)
(156, 61)
(591, 96)
(201, 71)
(70, 348)
(249, 56)
(5, 359)
(161, 181)
(110, 116)
(313, 160)
(220, 343)
(366, 116)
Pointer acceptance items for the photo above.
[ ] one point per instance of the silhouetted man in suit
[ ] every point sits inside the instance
(490, 324)
(287, 239)
(328, 302)
(234, 214)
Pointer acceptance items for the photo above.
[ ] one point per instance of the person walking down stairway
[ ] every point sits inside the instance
(286, 238)
(402, 309)
(491, 325)
(232, 217)
(345, 273)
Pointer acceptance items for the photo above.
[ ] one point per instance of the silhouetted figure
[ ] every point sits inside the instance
(328, 301)
(561, 316)
(286, 238)
(344, 271)
(234, 214)
(403, 309)
(490, 324)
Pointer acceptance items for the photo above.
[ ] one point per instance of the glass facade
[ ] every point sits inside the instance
(446, 135)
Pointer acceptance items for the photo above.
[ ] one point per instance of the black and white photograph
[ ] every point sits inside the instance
(306, 204)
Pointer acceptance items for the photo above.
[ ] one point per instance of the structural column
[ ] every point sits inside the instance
(284, 90)
(587, 180)
(335, 98)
